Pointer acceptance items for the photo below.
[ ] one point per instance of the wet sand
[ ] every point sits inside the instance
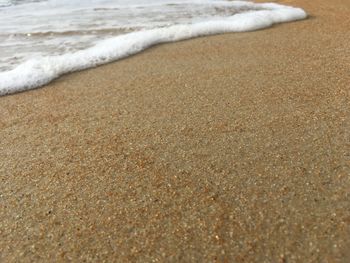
(230, 148)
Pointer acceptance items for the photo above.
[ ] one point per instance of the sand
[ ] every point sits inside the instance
(229, 148)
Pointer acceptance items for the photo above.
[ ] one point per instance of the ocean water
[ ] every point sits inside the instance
(43, 39)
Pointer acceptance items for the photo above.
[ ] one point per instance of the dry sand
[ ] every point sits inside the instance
(230, 148)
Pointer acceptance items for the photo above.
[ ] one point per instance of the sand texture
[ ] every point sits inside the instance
(230, 148)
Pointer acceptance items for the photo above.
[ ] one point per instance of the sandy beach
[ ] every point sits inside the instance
(229, 148)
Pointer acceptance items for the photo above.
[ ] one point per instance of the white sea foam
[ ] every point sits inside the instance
(42, 68)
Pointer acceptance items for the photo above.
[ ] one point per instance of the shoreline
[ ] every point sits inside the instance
(231, 147)
(41, 71)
